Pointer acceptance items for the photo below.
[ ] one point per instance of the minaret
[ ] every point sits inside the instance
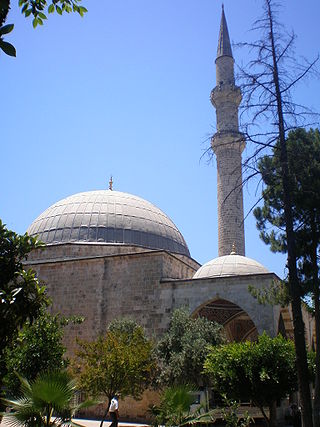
(228, 144)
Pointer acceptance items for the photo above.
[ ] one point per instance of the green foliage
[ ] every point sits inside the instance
(304, 179)
(183, 348)
(124, 325)
(38, 10)
(6, 47)
(38, 348)
(174, 408)
(262, 372)
(22, 297)
(304, 174)
(303, 148)
(312, 365)
(230, 414)
(51, 393)
(121, 362)
(227, 368)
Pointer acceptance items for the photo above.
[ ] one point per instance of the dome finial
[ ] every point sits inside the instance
(111, 183)
(233, 250)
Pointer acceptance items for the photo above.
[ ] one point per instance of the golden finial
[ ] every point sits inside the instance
(111, 183)
(233, 250)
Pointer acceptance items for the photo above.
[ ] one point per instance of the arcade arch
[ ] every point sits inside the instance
(237, 323)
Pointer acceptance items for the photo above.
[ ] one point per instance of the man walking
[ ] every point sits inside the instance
(114, 411)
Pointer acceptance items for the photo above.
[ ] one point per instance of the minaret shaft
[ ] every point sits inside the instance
(228, 144)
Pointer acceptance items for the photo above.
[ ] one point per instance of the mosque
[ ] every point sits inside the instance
(111, 254)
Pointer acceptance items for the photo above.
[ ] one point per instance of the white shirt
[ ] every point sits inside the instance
(114, 405)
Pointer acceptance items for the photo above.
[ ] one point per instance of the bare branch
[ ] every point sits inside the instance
(302, 75)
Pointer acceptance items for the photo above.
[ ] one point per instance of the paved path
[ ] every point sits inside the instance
(96, 423)
(93, 423)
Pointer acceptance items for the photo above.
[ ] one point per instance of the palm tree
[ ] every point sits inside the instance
(174, 409)
(48, 401)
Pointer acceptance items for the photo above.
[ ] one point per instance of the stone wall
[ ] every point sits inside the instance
(104, 287)
(147, 286)
(130, 409)
(198, 292)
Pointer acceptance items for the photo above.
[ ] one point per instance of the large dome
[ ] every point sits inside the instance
(230, 265)
(108, 216)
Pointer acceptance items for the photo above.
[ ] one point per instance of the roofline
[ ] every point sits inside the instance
(216, 278)
(113, 244)
(94, 257)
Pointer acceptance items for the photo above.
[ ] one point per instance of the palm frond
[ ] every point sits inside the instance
(25, 417)
(47, 401)
(54, 388)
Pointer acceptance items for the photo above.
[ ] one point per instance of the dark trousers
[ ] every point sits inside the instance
(114, 419)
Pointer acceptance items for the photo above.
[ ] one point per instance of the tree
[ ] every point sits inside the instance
(175, 410)
(230, 415)
(51, 393)
(36, 9)
(268, 82)
(22, 297)
(304, 168)
(37, 348)
(121, 362)
(262, 372)
(183, 348)
(174, 407)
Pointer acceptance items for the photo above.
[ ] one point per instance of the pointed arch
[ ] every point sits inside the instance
(237, 323)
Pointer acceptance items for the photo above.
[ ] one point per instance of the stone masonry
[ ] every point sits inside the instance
(228, 144)
(105, 282)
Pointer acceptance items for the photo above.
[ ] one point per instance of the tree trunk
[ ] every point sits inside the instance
(273, 415)
(294, 286)
(266, 418)
(106, 412)
(295, 294)
(315, 279)
(316, 402)
(2, 372)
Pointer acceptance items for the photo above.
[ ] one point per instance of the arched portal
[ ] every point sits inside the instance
(236, 322)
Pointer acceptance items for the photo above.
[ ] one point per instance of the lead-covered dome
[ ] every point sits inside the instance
(108, 216)
(230, 265)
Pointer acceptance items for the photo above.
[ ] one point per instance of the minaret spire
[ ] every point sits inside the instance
(224, 45)
(228, 144)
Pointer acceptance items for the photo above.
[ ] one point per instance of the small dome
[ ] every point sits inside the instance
(230, 265)
(107, 216)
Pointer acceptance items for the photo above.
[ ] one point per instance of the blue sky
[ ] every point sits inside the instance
(125, 91)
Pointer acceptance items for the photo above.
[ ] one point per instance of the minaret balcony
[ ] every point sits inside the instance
(225, 93)
(228, 140)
